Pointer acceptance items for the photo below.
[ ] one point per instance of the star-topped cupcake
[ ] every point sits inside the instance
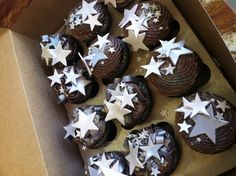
(146, 23)
(88, 20)
(88, 127)
(207, 122)
(60, 50)
(128, 100)
(152, 151)
(107, 58)
(73, 84)
(175, 70)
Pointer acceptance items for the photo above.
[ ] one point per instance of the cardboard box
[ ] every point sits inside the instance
(31, 122)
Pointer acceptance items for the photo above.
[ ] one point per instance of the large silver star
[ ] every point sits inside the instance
(185, 109)
(96, 56)
(93, 21)
(206, 125)
(116, 112)
(80, 85)
(115, 93)
(59, 54)
(152, 149)
(71, 76)
(153, 67)
(126, 98)
(136, 42)
(87, 9)
(102, 41)
(132, 158)
(137, 26)
(129, 15)
(85, 123)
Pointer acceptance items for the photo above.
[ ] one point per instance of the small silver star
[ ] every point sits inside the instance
(222, 105)
(153, 67)
(55, 78)
(112, 50)
(169, 69)
(184, 127)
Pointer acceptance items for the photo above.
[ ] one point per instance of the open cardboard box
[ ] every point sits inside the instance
(31, 122)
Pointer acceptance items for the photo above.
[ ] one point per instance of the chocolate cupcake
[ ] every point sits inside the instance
(73, 85)
(146, 23)
(153, 151)
(108, 163)
(175, 70)
(108, 58)
(128, 100)
(119, 4)
(88, 127)
(207, 122)
(60, 50)
(88, 20)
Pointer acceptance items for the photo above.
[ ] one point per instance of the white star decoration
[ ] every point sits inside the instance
(153, 67)
(137, 26)
(219, 116)
(126, 98)
(70, 131)
(115, 93)
(85, 123)
(129, 15)
(80, 85)
(133, 160)
(45, 53)
(59, 54)
(222, 105)
(136, 42)
(93, 21)
(169, 69)
(184, 127)
(96, 56)
(71, 76)
(87, 9)
(112, 50)
(155, 171)
(102, 41)
(207, 125)
(195, 107)
(172, 50)
(116, 112)
(55, 78)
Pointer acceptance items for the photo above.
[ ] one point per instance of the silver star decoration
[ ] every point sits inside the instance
(112, 50)
(172, 50)
(104, 162)
(199, 139)
(184, 127)
(129, 15)
(185, 109)
(143, 135)
(87, 9)
(59, 54)
(132, 158)
(219, 116)
(126, 98)
(222, 105)
(169, 69)
(85, 123)
(152, 150)
(116, 112)
(96, 56)
(45, 53)
(155, 171)
(145, 6)
(206, 125)
(137, 26)
(113, 2)
(93, 21)
(71, 76)
(70, 131)
(115, 93)
(136, 42)
(54, 40)
(55, 78)
(80, 85)
(102, 41)
(153, 67)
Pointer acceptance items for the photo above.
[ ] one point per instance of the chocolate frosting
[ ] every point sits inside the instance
(225, 135)
(116, 63)
(83, 31)
(144, 104)
(156, 31)
(93, 138)
(190, 74)
(169, 151)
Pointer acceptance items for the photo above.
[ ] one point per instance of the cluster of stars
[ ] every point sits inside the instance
(168, 49)
(202, 113)
(121, 97)
(85, 14)
(139, 24)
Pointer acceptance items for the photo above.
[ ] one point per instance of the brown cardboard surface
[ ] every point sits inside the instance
(19, 150)
(61, 157)
(191, 163)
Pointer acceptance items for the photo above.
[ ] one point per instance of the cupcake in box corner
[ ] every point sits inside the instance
(60, 50)
(128, 100)
(73, 84)
(207, 122)
(146, 23)
(89, 19)
(88, 127)
(107, 58)
(174, 70)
